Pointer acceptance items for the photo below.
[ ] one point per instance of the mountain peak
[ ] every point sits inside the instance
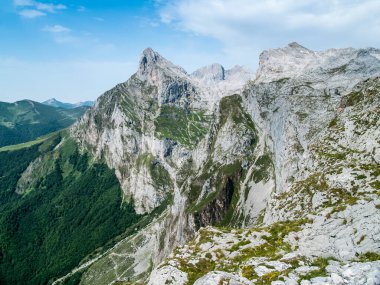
(295, 60)
(213, 72)
(296, 45)
(51, 100)
(58, 104)
(148, 57)
(151, 61)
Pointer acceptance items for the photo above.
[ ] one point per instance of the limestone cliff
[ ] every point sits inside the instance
(294, 153)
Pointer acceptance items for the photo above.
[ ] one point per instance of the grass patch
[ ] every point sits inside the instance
(369, 257)
(320, 262)
(29, 143)
(184, 126)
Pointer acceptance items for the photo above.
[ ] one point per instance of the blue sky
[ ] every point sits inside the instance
(76, 50)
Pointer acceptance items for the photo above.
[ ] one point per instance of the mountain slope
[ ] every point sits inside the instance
(323, 230)
(26, 120)
(59, 207)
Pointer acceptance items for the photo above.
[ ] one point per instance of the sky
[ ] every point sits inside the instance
(74, 50)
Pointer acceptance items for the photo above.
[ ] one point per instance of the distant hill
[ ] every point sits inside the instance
(55, 103)
(26, 120)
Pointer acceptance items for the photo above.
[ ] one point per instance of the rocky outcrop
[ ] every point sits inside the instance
(210, 74)
(296, 94)
(216, 210)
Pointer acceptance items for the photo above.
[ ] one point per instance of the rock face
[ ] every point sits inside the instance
(331, 67)
(293, 152)
(212, 73)
(297, 92)
(215, 211)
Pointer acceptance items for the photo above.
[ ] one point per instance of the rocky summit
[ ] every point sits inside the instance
(242, 178)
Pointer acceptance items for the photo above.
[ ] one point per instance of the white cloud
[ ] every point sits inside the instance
(31, 13)
(32, 9)
(244, 25)
(56, 29)
(61, 34)
(51, 8)
(23, 3)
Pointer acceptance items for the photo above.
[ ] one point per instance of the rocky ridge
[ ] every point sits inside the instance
(323, 230)
(291, 157)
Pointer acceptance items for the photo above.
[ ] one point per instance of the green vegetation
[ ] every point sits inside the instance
(74, 279)
(27, 120)
(195, 271)
(234, 259)
(263, 168)
(29, 143)
(373, 168)
(268, 278)
(248, 272)
(222, 174)
(369, 256)
(236, 246)
(186, 127)
(231, 174)
(159, 174)
(333, 122)
(354, 98)
(71, 212)
(231, 106)
(12, 166)
(274, 247)
(321, 263)
(302, 116)
(375, 184)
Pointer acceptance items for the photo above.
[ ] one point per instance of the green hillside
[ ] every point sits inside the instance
(66, 208)
(26, 120)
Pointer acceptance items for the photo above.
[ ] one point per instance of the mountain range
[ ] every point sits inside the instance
(55, 103)
(221, 176)
(26, 120)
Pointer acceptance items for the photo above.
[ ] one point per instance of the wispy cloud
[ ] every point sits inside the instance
(31, 13)
(245, 24)
(56, 29)
(32, 9)
(61, 34)
(148, 22)
(99, 19)
(81, 9)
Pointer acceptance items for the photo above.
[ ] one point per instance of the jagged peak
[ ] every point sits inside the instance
(149, 56)
(295, 60)
(292, 49)
(239, 68)
(296, 45)
(213, 72)
(51, 100)
(151, 60)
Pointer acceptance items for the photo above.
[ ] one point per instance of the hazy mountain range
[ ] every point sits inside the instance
(26, 120)
(55, 103)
